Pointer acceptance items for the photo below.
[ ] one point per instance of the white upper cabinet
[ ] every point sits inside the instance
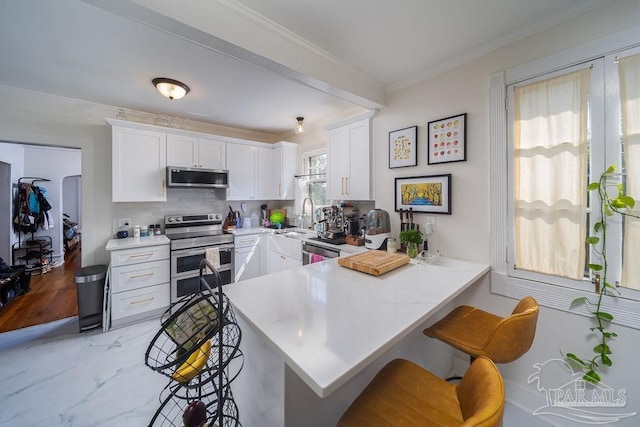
(285, 166)
(141, 154)
(267, 187)
(259, 171)
(139, 164)
(212, 154)
(242, 162)
(349, 161)
(193, 152)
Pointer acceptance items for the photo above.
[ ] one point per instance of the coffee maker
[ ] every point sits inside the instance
(377, 229)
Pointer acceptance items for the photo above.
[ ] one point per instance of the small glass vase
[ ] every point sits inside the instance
(412, 249)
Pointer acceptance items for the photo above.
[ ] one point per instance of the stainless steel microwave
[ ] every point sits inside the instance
(197, 177)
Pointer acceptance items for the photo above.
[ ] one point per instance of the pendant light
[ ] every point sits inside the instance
(300, 127)
(172, 89)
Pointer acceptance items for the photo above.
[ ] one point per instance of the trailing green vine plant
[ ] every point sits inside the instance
(621, 204)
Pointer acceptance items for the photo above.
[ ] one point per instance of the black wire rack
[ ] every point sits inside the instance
(198, 349)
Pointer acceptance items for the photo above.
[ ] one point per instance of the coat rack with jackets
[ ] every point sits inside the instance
(31, 212)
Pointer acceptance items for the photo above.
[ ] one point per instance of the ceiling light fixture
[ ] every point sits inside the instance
(300, 127)
(170, 88)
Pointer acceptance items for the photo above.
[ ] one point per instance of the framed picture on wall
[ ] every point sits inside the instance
(403, 147)
(430, 194)
(447, 140)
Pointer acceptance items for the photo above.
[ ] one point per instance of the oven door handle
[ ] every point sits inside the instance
(308, 248)
(188, 252)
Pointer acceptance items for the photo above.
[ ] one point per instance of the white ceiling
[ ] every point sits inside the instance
(108, 51)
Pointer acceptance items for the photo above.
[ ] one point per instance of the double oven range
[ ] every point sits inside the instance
(192, 238)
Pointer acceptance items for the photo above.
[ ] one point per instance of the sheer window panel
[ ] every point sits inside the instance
(550, 162)
(629, 76)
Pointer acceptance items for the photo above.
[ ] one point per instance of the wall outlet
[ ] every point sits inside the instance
(124, 222)
(430, 223)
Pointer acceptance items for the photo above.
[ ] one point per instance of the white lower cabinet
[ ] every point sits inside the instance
(139, 284)
(283, 253)
(249, 259)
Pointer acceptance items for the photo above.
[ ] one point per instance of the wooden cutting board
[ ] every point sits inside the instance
(374, 262)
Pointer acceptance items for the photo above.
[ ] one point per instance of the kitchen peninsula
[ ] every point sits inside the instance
(315, 335)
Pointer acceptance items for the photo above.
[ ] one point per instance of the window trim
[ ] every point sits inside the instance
(305, 165)
(625, 311)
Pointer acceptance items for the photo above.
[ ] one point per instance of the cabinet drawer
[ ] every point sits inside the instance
(285, 246)
(136, 276)
(139, 304)
(138, 255)
(246, 241)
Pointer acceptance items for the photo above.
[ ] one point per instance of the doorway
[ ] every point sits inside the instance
(5, 211)
(53, 294)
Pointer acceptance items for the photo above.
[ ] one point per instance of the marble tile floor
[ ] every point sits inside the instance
(52, 375)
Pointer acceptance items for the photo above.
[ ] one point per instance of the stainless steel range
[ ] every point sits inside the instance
(193, 237)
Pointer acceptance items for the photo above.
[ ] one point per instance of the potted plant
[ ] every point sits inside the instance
(608, 206)
(412, 239)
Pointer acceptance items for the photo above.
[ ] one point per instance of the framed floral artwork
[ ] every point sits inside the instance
(403, 147)
(447, 140)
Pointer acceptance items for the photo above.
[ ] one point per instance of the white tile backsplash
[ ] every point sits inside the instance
(188, 201)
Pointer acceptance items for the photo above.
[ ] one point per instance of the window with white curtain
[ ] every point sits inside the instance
(564, 128)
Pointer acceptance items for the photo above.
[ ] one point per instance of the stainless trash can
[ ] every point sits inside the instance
(90, 291)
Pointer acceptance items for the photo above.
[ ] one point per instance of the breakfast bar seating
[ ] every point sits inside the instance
(405, 394)
(479, 333)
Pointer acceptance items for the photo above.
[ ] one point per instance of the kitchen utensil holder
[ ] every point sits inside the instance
(185, 327)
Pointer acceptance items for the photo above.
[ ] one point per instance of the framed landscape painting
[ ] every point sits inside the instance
(431, 194)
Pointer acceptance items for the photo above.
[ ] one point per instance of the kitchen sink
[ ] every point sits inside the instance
(296, 233)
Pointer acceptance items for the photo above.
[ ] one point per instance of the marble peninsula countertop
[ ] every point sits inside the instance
(136, 242)
(302, 234)
(328, 322)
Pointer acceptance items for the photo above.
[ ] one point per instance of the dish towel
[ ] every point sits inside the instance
(316, 258)
(213, 256)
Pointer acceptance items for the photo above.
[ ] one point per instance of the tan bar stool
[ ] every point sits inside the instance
(478, 333)
(405, 394)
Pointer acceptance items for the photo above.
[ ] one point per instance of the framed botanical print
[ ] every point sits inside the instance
(403, 147)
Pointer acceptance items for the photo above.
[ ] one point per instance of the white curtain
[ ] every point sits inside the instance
(550, 161)
(629, 73)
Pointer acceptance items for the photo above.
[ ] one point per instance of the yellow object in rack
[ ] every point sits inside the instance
(194, 364)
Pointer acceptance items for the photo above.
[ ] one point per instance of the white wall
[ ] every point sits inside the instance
(465, 234)
(13, 155)
(72, 198)
(36, 118)
(53, 164)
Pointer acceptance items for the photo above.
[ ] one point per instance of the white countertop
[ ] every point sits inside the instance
(136, 242)
(328, 322)
(298, 234)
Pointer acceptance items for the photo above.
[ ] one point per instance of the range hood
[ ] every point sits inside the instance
(197, 177)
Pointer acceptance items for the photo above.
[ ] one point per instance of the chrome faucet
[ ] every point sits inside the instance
(304, 204)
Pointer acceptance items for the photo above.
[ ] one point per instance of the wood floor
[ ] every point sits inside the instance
(52, 297)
